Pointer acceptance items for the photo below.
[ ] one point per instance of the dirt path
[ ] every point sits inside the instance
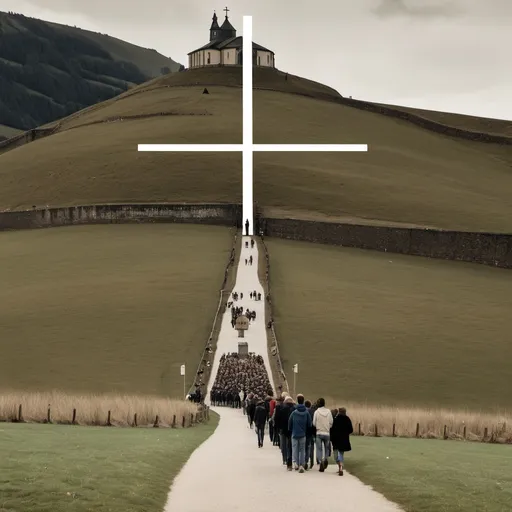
(228, 472)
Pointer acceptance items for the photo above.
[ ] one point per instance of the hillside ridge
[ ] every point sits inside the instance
(452, 125)
(49, 70)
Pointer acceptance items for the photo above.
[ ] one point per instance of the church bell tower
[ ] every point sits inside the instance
(214, 29)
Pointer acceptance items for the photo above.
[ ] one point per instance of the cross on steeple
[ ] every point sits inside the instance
(226, 10)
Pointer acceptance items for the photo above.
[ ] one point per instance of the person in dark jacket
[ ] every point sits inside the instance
(340, 432)
(260, 420)
(309, 438)
(251, 409)
(285, 435)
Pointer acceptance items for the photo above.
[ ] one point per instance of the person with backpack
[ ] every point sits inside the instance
(340, 432)
(299, 423)
(323, 421)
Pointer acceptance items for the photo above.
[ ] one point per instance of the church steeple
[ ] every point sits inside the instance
(214, 29)
(228, 31)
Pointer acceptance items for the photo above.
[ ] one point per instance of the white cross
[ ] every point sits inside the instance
(248, 147)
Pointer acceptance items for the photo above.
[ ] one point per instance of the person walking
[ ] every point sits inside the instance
(260, 420)
(251, 409)
(271, 408)
(298, 424)
(323, 421)
(247, 227)
(282, 416)
(309, 438)
(340, 437)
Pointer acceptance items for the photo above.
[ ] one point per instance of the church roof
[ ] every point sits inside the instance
(227, 25)
(233, 42)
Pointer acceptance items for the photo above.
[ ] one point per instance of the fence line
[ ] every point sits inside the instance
(201, 416)
(208, 356)
(274, 347)
(498, 435)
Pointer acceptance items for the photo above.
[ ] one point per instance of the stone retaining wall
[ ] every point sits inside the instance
(218, 214)
(485, 248)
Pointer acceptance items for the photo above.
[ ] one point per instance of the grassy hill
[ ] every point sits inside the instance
(411, 175)
(388, 329)
(48, 70)
(94, 309)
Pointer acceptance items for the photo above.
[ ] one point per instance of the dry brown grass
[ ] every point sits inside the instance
(431, 422)
(93, 409)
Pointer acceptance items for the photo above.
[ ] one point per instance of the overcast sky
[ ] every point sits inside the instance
(451, 55)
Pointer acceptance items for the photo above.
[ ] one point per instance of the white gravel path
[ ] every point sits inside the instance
(229, 473)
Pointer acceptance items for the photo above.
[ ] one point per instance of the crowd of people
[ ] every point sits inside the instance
(238, 379)
(305, 433)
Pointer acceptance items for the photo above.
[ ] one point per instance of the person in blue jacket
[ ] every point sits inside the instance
(299, 424)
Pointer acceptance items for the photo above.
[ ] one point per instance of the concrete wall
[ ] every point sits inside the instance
(217, 214)
(486, 248)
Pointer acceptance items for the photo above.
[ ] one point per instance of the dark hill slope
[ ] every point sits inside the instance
(48, 71)
(410, 175)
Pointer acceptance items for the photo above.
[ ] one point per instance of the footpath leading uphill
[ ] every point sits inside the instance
(229, 473)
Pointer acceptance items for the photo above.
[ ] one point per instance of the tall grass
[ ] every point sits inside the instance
(93, 409)
(431, 422)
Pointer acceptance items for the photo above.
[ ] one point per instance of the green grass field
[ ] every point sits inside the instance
(47, 468)
(409, 176)
(435, 476)
(388, 329)
(108, 308)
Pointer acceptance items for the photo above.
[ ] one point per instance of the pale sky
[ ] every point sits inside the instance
(449, 55)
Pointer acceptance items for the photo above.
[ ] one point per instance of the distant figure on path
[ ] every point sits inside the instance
(250, 259)
(252, 243)
(247, 227)
(260, 420)
(298, 424)
(322, 421)
(246, 261)
(340, 432)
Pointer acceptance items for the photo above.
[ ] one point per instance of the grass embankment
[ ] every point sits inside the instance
(409, 176)
(118, 308)
(435, 476)
(388, 329)
(48, 468)
(94, 409)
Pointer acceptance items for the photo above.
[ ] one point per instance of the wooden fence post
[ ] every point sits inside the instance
(485, 433)
(109, 417)
(394, 430)
(173, 421)
(464, 431)
(376, 430)
(417, 430)
(156, 422)
(444, 433)
(183, 422)
(135, 420)
(49, 415)
(73, 421)
(20, 414)
(359, 429)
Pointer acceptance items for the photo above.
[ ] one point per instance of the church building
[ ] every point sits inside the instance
(226, 49)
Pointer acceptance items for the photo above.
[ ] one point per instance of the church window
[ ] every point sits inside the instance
(209, 61)
(268, 58)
